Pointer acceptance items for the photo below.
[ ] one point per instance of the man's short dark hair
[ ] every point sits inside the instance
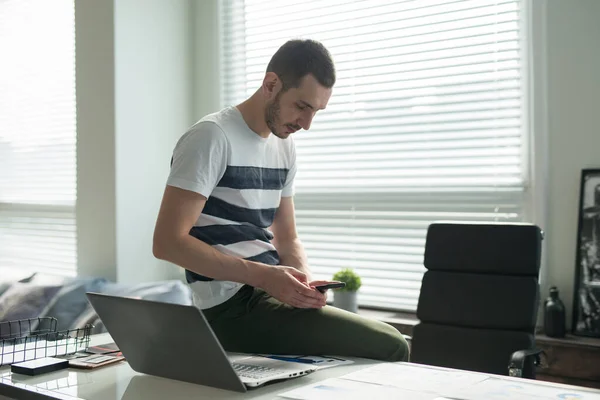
(298, 58)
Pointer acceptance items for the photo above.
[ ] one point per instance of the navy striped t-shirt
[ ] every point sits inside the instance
(243, 176)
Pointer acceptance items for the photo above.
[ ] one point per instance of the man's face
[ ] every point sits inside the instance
(295, 108)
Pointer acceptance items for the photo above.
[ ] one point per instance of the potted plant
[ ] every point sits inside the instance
(345, 298)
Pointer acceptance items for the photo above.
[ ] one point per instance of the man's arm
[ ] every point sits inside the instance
(286, 240)
(172, 242)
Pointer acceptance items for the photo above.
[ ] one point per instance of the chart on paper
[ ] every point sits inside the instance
(493, 389)
(345, 389)
(420, 382)
(416, 378)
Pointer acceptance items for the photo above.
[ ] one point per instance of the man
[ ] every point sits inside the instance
(227, 217)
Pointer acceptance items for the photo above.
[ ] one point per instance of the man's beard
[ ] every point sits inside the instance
(272, 117)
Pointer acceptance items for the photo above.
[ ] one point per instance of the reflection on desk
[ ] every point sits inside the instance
(66, 381)
(150, 387)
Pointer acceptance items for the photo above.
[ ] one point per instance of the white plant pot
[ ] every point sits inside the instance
(345, 300)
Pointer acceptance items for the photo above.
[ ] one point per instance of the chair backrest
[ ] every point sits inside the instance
(479, 297)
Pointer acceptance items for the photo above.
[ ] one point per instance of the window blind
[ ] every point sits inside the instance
(426, 123)
(37, 136)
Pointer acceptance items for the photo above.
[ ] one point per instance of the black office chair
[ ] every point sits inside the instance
(479, 298)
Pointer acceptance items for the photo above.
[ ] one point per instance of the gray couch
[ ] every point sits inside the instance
(39, 295)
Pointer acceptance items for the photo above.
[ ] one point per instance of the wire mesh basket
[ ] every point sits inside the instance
(33, 338)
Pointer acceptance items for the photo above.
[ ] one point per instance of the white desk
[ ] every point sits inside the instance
(120, 382)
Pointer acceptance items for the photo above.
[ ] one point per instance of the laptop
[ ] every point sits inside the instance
(176, 341)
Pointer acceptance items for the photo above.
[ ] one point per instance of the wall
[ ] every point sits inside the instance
(206, 57)
(134, 99)
(573, 87)
(153, 103)
(95, 91)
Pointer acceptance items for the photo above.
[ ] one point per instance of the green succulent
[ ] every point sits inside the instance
(351, 279)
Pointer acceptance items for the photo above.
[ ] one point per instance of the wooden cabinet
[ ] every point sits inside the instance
(572, 360)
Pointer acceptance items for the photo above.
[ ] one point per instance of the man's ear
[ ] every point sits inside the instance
(271, 85)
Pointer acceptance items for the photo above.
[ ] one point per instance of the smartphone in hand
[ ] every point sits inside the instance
(333, 285)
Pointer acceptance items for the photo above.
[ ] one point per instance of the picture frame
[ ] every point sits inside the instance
(586, 304)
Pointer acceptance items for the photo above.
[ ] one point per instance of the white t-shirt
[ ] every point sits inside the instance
(243, 176)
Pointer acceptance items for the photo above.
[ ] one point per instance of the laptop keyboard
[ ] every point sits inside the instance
(254, 371)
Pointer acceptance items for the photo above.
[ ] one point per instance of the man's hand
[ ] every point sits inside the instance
(291, 286)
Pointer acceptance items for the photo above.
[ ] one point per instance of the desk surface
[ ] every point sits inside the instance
(120, 382)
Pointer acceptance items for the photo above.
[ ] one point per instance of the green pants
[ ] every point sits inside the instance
(254, 322)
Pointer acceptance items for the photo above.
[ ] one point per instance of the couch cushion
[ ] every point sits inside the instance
(8, 276)
(89, 317)
(70, 301)
(4, 287)
(164, 291)
(24, 300)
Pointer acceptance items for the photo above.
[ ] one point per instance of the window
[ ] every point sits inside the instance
(426, 123)
(37, 136)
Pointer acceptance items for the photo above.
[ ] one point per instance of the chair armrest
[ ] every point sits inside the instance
(523, 362)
